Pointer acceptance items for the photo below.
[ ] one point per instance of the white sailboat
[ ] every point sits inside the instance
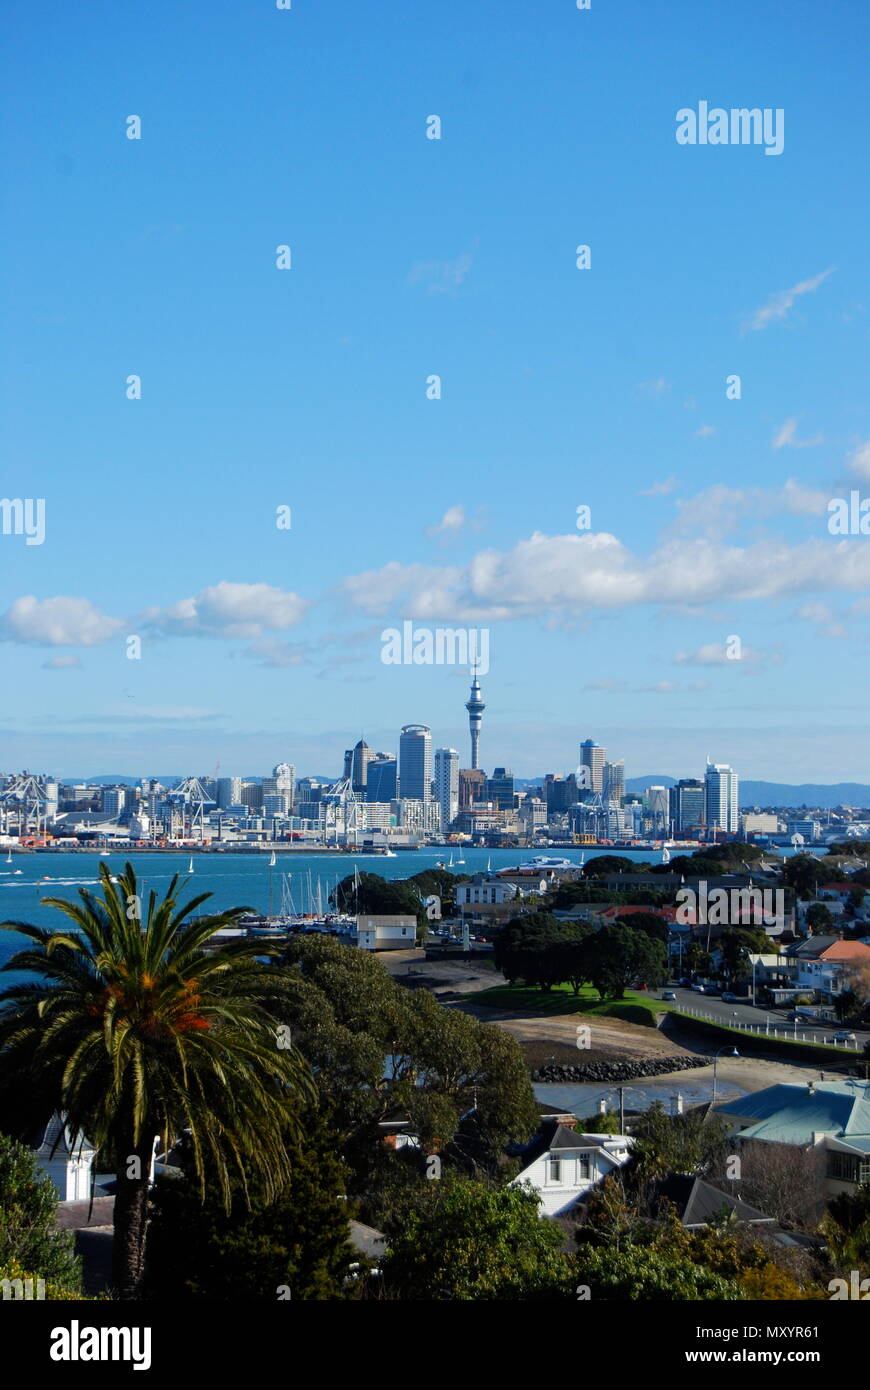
(666, 855)
(190, 865)
(9, 857)
(450, 860)
(272, 861)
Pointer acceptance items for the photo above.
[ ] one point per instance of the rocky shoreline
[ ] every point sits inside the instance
(615, 1072)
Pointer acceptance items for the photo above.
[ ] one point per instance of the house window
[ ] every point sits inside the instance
(843, 1167)
(555, 1170)
(583, 1167)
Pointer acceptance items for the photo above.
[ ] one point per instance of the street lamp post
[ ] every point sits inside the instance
(731, 1053)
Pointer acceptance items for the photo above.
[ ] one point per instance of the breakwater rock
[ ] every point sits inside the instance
(613, 1073)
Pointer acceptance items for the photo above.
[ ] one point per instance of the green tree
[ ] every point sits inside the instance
(801, 873)
(28, 1235)
(648, 922)
(646, 1274)
(620, 956)
(133, 1029)
(692, 1143)
(819, 917)
(736, 946)
(603, 865)
(467, 1241)
(297, 1237)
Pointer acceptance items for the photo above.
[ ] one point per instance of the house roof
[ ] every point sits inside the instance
(791, 1114)
(55, 1140)
(554, 1137)
(827, 947)
(699, 1202)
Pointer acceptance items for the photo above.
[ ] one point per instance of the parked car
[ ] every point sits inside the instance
(668, 994)
(845, 1037)
(728, 998)
(699, 989)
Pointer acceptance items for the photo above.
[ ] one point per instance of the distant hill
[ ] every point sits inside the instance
(779, 793)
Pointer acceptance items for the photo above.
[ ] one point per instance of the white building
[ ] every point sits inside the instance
(67, 1162)
(447, 784)
(563, 1165)
(482, 890)
(721, 787)
(386, 932)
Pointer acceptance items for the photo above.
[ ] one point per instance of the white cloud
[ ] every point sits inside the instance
(786, 435)
(543, 574)
(720, 509)
(229, 610)
(656, 387)
(441, 277)
(57, 622)
(661, 489)
(62, 663)
(716, 654)
(705, 432)
(778, 305)
(821, 616)
(453, 521)
(859, 462)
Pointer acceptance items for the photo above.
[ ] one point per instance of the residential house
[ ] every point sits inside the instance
(563, 1165)
(831, 1115)
(66, 1159)
(820, 963)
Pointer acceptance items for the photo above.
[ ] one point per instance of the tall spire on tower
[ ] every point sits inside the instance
(475, 706)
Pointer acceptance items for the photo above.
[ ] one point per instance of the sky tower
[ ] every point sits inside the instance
(475, 706)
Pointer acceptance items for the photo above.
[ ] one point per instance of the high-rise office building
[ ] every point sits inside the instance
(687, 804)
(381, 778)
(500, 789)
(472, 787)
(559, 793)
(721, 788)
(614, 781)
(447, 784)
(592, 759)
(229, 791)
(415, 763)
(475, 707)
(359, 767)
(114, 799)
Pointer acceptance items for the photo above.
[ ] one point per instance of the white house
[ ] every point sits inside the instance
(66, 1161)
(563, 1165)
(387, 932)
(482, 890)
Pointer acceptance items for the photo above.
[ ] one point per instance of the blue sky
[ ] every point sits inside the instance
(561, 387)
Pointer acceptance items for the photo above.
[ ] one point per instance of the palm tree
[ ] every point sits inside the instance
(134, 1030)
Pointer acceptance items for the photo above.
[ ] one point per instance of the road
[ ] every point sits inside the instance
(762, 1019)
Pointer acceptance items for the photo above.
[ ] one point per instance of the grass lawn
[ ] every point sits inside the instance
(634, 1007)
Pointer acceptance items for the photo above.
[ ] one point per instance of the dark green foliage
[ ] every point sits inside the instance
(28, 1235)
(463, 1240)
(297, 1239)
